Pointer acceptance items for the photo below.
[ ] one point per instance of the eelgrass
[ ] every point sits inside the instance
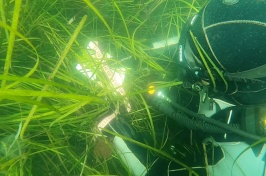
(48, 110)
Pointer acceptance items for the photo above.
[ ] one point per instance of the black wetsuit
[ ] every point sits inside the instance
(234, 36)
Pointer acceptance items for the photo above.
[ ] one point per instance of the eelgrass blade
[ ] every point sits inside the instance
(51, 76)
(11, 40)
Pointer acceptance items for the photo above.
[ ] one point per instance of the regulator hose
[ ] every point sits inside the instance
(201, 122)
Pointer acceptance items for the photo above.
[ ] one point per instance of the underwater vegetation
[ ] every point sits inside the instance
(49, 110)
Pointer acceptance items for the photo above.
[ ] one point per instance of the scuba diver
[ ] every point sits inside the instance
(220, 56)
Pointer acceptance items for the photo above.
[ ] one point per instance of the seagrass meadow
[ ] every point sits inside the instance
(49, 110)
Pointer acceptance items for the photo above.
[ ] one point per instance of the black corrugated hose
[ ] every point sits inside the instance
(201, 122)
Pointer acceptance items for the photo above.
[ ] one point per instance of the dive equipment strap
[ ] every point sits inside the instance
(258, 72)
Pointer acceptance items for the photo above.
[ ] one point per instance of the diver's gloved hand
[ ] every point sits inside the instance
(139, 160)
(120, 131)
